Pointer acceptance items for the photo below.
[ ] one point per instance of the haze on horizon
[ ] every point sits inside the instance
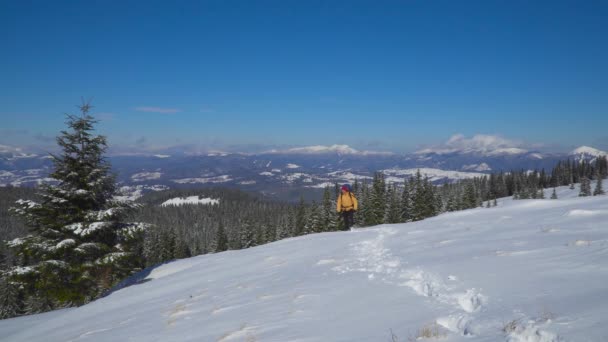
(255, 76)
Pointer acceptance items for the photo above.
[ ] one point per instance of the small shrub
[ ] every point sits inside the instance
(430, 331)
(511, 326)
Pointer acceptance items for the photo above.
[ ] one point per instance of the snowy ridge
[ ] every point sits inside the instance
(488, 145)
(433, 174)
(190, 200)
(321, 149)
(528, 270)
(143, 176)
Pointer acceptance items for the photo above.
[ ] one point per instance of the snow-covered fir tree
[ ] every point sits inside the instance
(329, 220)
(10, 303)
(554, 194)
(585, 187)
(599, 190)
(78, 244)
(393, 209)
(406, 203)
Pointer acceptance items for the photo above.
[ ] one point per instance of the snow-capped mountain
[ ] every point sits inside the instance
(334, 149)
(586, 153)
(537, 273)
(485, 145)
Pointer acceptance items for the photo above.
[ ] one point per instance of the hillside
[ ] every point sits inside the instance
(528, 270)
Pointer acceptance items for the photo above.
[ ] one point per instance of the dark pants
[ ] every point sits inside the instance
(349, 219)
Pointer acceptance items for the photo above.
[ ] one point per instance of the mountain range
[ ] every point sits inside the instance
(290, 173)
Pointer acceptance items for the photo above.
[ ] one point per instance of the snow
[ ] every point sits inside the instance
(266, 173)
(15, 242)
(433, 174)
(217, 179)
(487, 145)
(321, 149)
(101, 214)
(527, 270)
(21, 270)
(162, 156)
(190, 200)
(144, 176)
(347, 176)
(507, 151)
(477, 167)
(588, 151)
(249, 182)
(536, 155)
(132, 193)
(292, 166)
(81, 229)
(321, 185)
(29, 203)
(65, 243)
(293, 177)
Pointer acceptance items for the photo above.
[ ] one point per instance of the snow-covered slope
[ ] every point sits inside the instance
(529, 270)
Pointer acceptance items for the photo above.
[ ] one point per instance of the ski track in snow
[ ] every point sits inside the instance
(463, 309)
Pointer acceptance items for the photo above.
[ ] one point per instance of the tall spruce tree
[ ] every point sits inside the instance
(78, 244)
(406, 203)
(585, 187)
(329, 219)
(393, 210)
(598, 185)
(10, 303)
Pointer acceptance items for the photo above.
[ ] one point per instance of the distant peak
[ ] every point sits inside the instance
(588, 151)
(321, 149)
(488, 145)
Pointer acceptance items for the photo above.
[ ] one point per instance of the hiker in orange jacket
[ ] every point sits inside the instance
(347, 205)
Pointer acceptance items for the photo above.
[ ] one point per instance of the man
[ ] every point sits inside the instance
(347, 205)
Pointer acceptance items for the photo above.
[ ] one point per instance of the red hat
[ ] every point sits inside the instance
(345, 188)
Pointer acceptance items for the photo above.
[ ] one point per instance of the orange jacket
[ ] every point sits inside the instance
(346, 201)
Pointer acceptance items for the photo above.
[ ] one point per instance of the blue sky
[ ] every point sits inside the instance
(376, 75)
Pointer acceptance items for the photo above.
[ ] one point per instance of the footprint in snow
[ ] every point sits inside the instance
(471, 301)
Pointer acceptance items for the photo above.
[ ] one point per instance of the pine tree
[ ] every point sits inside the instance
(393, 212)
(38, 304)
(598, 185)
(10, 305)
(470, 198)
(329, 221)
(300, 222)
(79, 244)
(377, 200)
(364, 217)
(585, 187)
(495, 203)
(313, 219)
(221, 239)
(247, 235)
(553, 194)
